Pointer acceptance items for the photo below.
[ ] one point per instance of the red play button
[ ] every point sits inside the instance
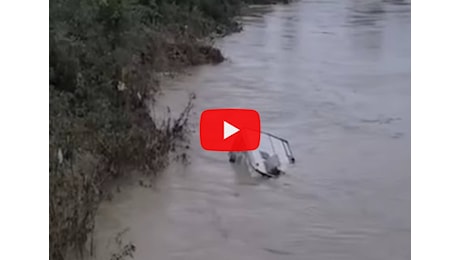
(230, 129)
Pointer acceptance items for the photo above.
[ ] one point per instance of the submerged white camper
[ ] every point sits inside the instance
(271, 159)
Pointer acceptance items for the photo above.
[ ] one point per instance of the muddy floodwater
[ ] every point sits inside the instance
(332, 77)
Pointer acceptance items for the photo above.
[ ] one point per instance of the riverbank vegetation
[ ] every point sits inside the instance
(104, 60)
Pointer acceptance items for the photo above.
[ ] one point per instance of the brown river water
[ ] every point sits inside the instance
(332, 77)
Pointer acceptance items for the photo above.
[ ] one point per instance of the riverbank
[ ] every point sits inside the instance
(104, 60)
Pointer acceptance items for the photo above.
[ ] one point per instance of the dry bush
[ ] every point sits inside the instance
(77, 182)
(124, 249)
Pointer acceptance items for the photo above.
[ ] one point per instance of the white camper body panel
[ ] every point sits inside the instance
(271, 159)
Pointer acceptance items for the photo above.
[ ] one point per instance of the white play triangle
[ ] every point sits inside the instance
(229, 130)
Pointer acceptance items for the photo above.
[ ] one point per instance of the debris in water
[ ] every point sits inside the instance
(278, 252)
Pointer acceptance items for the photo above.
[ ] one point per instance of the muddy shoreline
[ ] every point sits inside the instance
(100, 81)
